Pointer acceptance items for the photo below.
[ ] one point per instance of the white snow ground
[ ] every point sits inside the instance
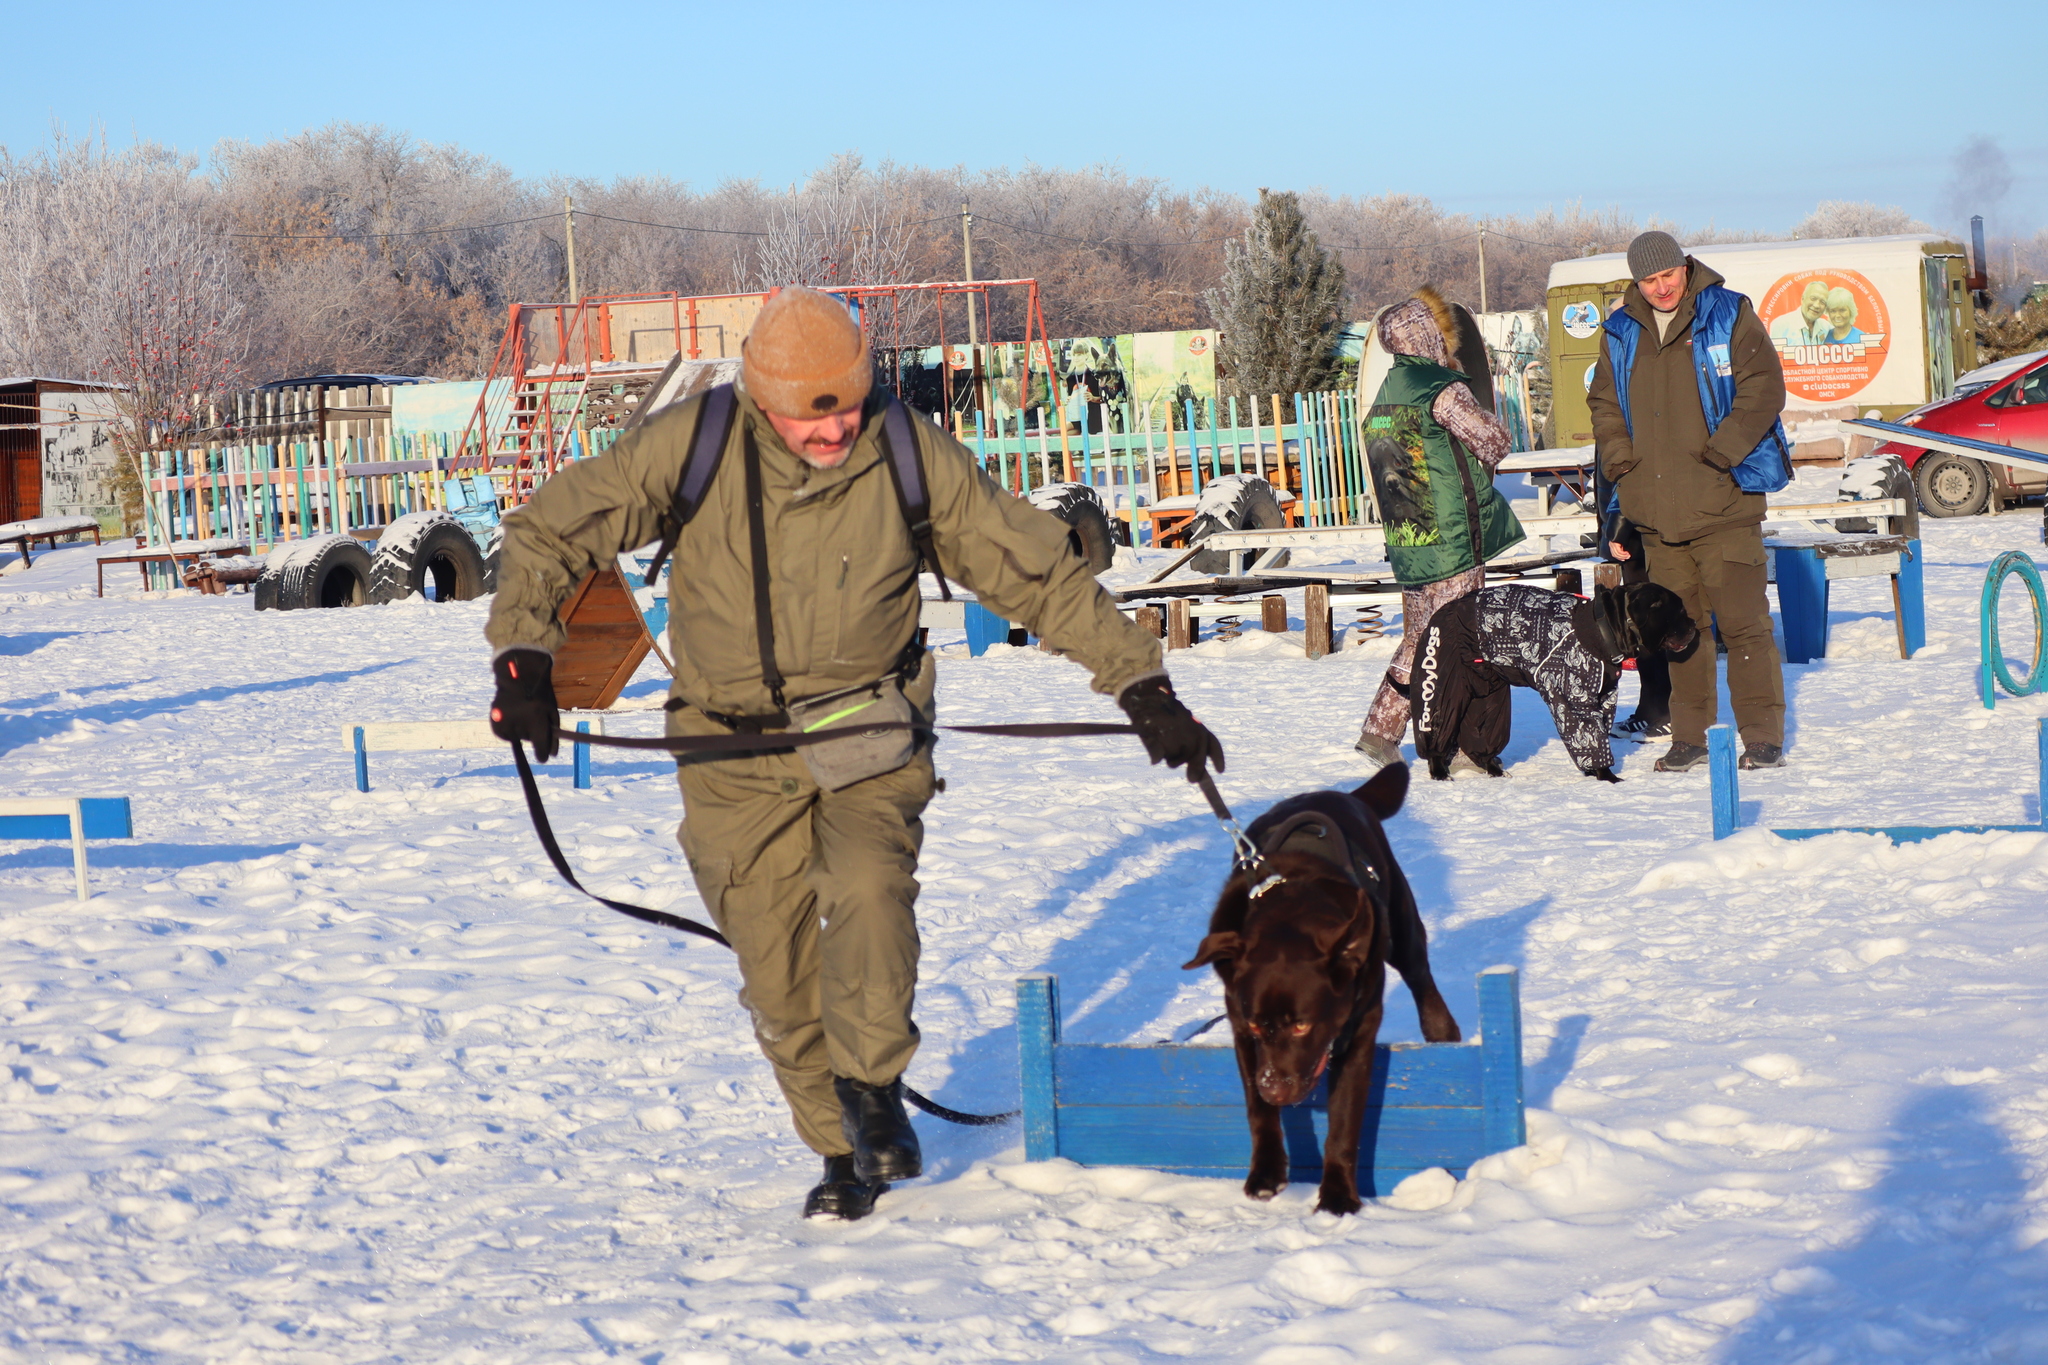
(320, 1076)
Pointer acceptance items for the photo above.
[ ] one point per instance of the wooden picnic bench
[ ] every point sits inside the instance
(172, 555)
(23, 534)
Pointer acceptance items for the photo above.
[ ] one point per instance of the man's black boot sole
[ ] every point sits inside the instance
(842, 1193)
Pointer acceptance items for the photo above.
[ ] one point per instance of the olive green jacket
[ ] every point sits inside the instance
(843, 569)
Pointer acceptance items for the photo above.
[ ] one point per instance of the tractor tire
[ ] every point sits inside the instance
(1951, 485)
(1088, 526)
(1873, 477)
(430, 555)
(330, 571)
(491, 550)
(1236, 502)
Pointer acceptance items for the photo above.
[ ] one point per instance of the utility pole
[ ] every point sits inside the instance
(1482, 270)
(569, 233)
(967, 258)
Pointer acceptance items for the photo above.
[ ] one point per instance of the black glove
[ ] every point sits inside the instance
(525, 705)
(1171, 733)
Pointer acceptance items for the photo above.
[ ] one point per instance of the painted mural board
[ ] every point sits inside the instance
(79, 455)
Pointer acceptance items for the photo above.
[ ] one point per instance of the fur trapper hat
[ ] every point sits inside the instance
(805, 355)
(1425, 326)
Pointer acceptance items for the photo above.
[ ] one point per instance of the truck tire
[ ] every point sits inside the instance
(330, 571)
(1951, 485)
(1878, 476)
(428, 554)
(1236, 502)
(1088, 525)
(497, 543)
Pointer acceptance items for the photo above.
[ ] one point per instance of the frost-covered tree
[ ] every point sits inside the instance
(1844, 218)
(1280, 303)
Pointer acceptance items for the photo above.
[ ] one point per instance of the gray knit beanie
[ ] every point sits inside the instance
(1652, 253)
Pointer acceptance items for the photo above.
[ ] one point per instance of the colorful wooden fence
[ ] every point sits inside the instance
(1306, 443)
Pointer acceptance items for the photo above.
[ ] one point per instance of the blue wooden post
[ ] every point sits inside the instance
(981, 440)
(1500, 1058)
(984, 628)
(582, 758)
(362, 763)
(1802, 602)
(1087, 459)
(2041, 746)
(1987, 690)
(1721, 774)
(1909, 599)
(1038, 1029)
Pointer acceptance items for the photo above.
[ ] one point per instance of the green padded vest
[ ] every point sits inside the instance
(1441, 510)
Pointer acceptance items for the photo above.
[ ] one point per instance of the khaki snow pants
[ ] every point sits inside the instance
(817, 891)
(1721, 579)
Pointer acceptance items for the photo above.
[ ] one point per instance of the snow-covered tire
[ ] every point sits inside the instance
(497, 543)
(1089, 529)
(430, 555)
(1875, 477)
(1236, 502)
(326, 571)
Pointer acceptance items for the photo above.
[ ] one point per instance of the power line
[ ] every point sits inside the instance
(1096, 241)
(353, 236)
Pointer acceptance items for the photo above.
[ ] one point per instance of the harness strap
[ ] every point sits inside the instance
(906, 467)
(757, 542)
(700, 466)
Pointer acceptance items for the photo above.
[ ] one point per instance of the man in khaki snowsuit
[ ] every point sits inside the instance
(815, 887)
(1677, 470)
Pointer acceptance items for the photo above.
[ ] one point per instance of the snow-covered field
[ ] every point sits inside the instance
(323, 1076)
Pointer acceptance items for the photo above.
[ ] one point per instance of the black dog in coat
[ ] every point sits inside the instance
(1569, 649)
(1302, 940)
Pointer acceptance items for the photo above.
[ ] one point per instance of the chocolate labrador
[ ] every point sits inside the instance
(1302, 939)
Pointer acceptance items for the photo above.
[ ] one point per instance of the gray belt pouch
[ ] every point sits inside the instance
(863, 753)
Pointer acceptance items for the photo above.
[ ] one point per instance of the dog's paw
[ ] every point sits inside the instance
(1340, 1200)
(1604, 774)
(1439, 770)
(1491, 767)
(1264, 1183)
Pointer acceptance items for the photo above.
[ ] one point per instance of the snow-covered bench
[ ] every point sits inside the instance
(22, 534)
(76, 818)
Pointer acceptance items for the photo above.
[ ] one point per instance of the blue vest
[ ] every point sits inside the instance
(1766, 469)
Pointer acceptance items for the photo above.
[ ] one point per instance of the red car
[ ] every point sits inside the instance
(2005, 403)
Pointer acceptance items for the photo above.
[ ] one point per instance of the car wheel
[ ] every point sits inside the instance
(1951, 485)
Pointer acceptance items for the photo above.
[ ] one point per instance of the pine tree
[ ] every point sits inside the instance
(1279, 304)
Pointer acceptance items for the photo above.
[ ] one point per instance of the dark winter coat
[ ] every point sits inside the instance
(1673, 473)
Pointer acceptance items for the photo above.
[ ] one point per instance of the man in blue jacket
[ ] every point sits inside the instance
(1685, 400)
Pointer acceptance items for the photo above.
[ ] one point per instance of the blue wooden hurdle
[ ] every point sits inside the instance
(76, 818)
(1726, 798)
(1180, 1107)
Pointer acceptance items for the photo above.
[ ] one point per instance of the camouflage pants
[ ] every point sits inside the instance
(1388, 717)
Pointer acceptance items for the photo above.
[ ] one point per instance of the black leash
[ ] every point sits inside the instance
(776, 743)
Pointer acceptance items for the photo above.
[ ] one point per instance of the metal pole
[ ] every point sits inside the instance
(1482, 270)
(569, 234)
(967, 262)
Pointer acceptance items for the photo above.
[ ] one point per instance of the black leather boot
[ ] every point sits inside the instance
(872, 1118)
(842, 1193)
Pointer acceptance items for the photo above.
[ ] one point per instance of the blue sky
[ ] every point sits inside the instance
(1742, 113)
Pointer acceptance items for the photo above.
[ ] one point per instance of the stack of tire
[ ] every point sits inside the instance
(1235, 502)
(1092, 532)
(426, 554)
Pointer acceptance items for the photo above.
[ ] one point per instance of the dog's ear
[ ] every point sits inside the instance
(1216, 947)
(1387, 790)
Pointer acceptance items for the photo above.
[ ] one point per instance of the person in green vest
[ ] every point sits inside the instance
(1433, 447)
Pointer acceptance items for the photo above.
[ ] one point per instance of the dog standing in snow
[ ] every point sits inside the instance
(1301, 940)
(1569, 649)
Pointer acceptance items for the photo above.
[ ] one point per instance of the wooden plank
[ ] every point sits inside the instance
(1909, 834)
(103, 817)
(1500, 1067)
(1181, 630)
(1038, 1030)
(1181, 1074)
(607, 641)
(1209, 1138)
